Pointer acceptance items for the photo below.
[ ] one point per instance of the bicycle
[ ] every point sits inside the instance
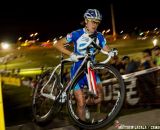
(50, 94)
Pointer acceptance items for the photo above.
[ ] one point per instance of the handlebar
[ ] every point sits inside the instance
(105, 53)
(98, 49)
(108, 54)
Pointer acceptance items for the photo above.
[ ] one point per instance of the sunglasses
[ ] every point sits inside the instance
(94, 20)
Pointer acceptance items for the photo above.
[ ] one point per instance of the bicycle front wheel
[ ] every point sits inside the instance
(43, 108)
(101, 114)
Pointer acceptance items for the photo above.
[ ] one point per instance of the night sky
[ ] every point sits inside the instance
(51, 19)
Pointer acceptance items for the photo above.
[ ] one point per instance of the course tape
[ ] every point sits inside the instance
(146, 71)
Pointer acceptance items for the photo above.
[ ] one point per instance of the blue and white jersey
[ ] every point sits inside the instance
(80, 38)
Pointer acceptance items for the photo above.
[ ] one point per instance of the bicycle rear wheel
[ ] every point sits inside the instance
(102, 114)
(44, 109)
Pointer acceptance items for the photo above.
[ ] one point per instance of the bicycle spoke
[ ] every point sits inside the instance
(43, 107)
(99, 114)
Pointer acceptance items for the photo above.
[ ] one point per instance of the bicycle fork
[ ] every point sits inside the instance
(91, 78)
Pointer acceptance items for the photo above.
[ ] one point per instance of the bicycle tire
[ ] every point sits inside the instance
(55, 106)
(114, 111)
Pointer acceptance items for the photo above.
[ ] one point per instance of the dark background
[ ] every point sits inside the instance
(58, 17)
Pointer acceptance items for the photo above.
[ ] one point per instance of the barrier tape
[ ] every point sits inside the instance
(2, 122)
(125, 76)
(134, 74)
(146, 71)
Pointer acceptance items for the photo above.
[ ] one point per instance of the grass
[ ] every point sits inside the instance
(31, 58)
(36, 57)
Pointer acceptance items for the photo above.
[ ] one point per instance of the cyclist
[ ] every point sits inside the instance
(80, 38)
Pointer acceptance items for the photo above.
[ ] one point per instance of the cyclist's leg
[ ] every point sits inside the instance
(78, 93)
(80, 98)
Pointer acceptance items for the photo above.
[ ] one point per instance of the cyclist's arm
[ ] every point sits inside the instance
(60, 46)
(103, 43)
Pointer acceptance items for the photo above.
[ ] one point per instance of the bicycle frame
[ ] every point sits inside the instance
(80, 70)
(90, 76)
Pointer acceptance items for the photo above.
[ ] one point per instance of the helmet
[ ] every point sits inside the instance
(93, 14)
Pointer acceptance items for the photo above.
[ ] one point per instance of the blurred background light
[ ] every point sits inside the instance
(5, 45)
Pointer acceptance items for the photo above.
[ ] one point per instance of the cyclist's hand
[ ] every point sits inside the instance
(113, 52)
(74, 57)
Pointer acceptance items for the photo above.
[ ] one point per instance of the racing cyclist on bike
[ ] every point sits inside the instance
(80, 38)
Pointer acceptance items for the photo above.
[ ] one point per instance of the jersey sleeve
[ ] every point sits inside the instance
(71, 37)
(102, 40)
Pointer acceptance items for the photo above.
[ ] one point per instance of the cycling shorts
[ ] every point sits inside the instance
(83, 81)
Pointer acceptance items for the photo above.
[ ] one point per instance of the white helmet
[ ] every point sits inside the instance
(93, 14)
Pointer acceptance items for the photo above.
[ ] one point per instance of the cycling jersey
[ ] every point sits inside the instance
(80, 38)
